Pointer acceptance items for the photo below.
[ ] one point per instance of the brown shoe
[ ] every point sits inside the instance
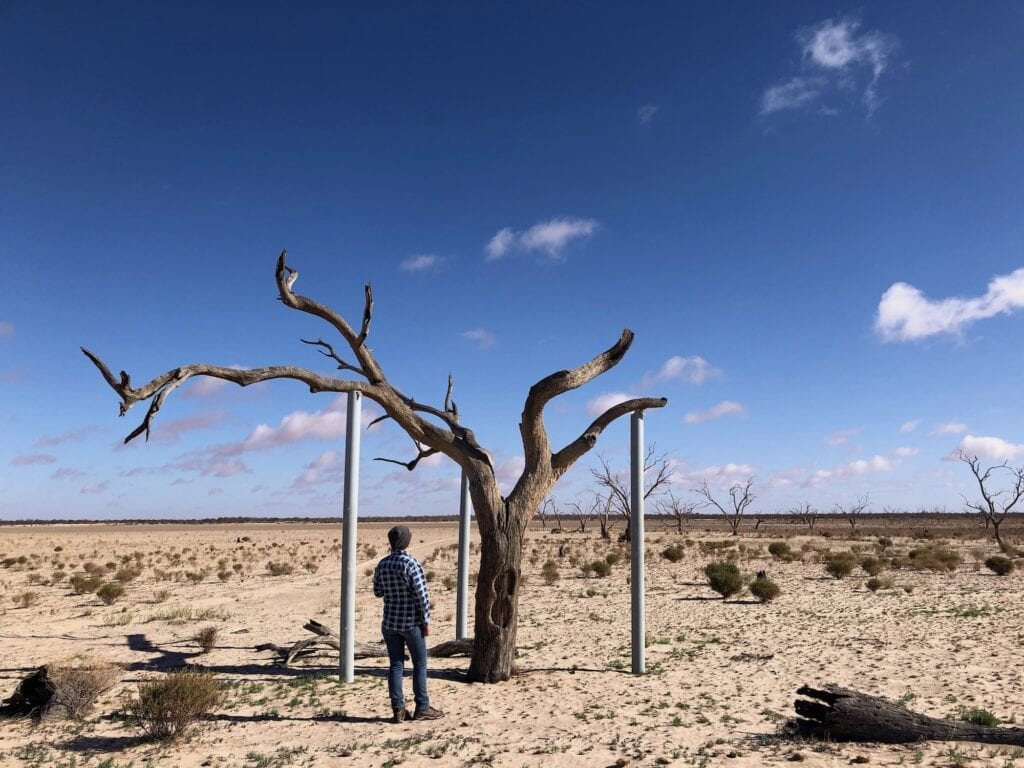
(400, 716)
(430, 713)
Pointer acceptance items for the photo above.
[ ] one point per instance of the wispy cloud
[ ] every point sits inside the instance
(724, 408)
(215, 492)
(170, 432)
(6, 330)
(548, 237)
(689, 370)
(27, 459)
(910, 426)
(94, 488)
(602, 403)
(66, 473)
(904, 452)
(420, 263)
(843, 436)
(71, 436)
(325, 424)
(949, 428)
(876, 463)
(327, 466)
(995, 448)
(836, 58)
(716, 475)
(646, 114)
(905, 314)
(482, 338)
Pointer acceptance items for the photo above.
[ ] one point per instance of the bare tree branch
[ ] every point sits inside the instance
(853, 512)
(741, 497)
(676, 509)
(566, 457)
(421, 453)
(657, 474)
(994, 510)
(342, 365)
(367, 314)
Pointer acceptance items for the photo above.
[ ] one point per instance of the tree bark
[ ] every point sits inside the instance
(840, 714)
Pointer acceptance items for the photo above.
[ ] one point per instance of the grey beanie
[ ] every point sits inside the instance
(399, 537)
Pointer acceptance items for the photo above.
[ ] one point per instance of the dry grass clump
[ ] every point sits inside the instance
(764, 589)
(840, 564)
(550, 572)
(279, 569)
(207, 638)
(166, 706)
(937, 558)
(872, 566)
(673, 553)
(874, 584)
(78, 682)
(1000, 565)
(84, 583)
(781, 550)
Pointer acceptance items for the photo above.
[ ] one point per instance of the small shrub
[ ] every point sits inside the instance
(430, 575)
(224, 575)
(872, 566)
(934, 559)
(874, 584)
(978, 716)
(109, 592)
(83, 584)
(448, 582)
(77, 683)
(840, 564)
(884, 542)
(26, 599)
(124, 575)
(780, 550)
(166, 706)
(999, 565)
(724, 578)
(613, 557)
(550, 572)
(673, 553)
(600, 568)
(764, 589)
(207, 638)
(161, 595)
(311, 565)
(279, 569)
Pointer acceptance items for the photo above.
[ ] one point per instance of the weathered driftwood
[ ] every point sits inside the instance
(841, 714)
(325, 637)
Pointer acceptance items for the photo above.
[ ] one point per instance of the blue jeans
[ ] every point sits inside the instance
(397, 643)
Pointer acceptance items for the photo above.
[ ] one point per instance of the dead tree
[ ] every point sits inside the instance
(839, 714)
(658, 473)
(604, 513)
(995, 505)
(853, 512)
(741, 497)
(676, 509)
(550, 507)
(806, 514)
(584, 512)
(503, 521)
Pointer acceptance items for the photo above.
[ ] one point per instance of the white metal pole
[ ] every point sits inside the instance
(636, 537)
(462, 593)
(350, 515)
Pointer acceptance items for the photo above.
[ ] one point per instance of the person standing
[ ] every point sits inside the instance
(400, 580)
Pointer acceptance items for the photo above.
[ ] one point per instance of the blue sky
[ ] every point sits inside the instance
(809, 213)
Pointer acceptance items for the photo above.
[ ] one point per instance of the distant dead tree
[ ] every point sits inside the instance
(657, 475)
(585, 511)
(604, 513)
(806, 514)
(741, 496)
(503, 520)
(676, 509)
(550, 507)
(995, 505)
(853, 512)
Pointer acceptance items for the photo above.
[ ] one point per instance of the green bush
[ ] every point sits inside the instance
(840, 564)
(673, 553)
(165, 707)
(279, 569)
(780, 550)
(764, 589)
(83, 583)
(613, 557)
(999, 565)
(977, 716)
(109, 591)
(934, 559)
(724, 578)
(600, 568)
(874, 584)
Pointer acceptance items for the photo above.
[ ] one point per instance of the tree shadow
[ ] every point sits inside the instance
(86, 743)
(689, 598)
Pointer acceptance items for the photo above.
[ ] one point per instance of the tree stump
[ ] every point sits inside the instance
(840, 714)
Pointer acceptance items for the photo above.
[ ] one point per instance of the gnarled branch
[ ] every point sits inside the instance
(566, 457)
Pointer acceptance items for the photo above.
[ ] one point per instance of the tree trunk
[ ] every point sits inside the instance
(999, 539)
(840, 714)
(497, 597)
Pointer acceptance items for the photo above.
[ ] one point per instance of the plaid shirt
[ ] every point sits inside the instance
(399, 579)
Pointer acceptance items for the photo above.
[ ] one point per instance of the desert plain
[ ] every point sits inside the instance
(722, 674)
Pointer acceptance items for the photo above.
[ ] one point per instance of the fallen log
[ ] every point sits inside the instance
(325, 637)
(841, 714)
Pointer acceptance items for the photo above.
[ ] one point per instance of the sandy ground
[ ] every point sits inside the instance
(721, 678)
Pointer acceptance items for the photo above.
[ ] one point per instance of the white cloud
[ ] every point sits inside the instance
(949, 428)
(500, 244)
(205, 386)
(482, 338)
(876, 463)
(215, 492)
(905, 314)
(842, 437)
(507, 472)
(991, 448)
(420, 262)
(550, 237)
(717, 476)
(690, 370)
(835, 58)
(646, 114)
(6, 330)
(24, 460)
(906, 452)
(910, 426)
(71, 436)
(320, 469)
(94, 488)
(724, 408)
(602, 403)
(792, 94)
